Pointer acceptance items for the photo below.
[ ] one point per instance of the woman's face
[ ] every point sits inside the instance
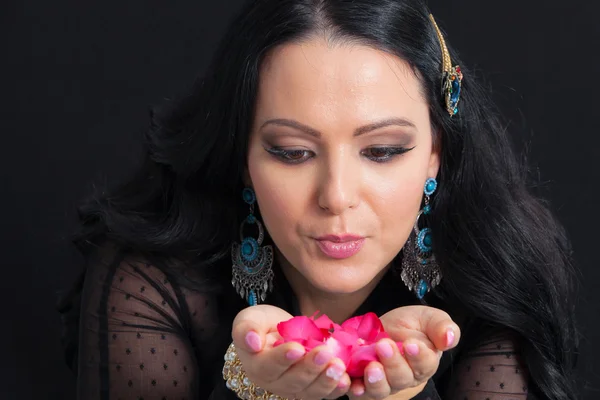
(340, 149)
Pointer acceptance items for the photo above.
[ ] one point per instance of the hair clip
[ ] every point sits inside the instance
(451, 76)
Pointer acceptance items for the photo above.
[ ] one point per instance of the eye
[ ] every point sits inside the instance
(383, 154)
(291, 156)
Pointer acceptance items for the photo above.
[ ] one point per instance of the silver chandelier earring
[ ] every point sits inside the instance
(420, 271)
(252, 273)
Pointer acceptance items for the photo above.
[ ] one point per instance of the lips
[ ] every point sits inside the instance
(340, 246)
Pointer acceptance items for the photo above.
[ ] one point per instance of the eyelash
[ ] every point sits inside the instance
(284, 155)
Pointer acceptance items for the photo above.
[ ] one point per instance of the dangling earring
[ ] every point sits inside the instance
(420, 271)
(252, 275)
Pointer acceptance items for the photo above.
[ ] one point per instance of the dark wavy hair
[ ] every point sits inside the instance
(505, 258)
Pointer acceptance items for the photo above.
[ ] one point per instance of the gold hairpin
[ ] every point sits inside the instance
(451, 76)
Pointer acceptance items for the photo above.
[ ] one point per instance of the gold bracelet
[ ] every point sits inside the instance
(238, 382)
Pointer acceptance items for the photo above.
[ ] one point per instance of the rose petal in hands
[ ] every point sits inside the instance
(300, 328)
(367, 327)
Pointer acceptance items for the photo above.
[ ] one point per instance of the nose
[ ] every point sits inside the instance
(339, 185)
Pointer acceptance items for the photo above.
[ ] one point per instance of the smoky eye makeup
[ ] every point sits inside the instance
(379, 147)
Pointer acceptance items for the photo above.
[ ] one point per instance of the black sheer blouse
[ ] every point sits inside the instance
(143, 336)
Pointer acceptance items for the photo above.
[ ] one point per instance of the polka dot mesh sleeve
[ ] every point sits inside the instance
(492, 371)
(135, 334)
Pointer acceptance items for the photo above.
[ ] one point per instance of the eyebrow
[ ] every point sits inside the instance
(396, 121)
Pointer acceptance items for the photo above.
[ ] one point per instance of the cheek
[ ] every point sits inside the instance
(280, 201)
(400, 202)
(396, 202)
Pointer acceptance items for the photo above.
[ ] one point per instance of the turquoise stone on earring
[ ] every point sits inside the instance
(248, 196)
(251, 219)
(249, 249)
(430, 186)
(427, 239)
(426, 209)
(422, 289)
(424, 240)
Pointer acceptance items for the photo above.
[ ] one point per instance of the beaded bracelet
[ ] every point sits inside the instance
(238, 382)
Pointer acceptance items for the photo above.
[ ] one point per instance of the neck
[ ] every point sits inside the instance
(337, 306)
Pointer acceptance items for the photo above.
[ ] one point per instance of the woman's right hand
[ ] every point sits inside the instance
(285, 370)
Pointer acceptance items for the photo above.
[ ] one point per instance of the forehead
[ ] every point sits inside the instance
(312, 78)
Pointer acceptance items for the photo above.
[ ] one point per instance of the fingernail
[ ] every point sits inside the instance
(359, 392)
(385, 349)
(253, 341)
(449, 337)
(322, 357)
(335, 372)
(374, 375)
(412, 349)
(294, 354)
(343, 385)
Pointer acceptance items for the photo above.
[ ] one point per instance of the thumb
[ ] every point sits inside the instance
(252, 326)
(439, 328)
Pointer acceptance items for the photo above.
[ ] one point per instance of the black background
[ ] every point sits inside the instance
(78, 79)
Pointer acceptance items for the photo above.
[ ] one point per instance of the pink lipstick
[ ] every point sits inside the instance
(340, 247)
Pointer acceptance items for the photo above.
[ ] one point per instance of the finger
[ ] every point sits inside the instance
(269, 365)
(417, 321)
(397, 370)
(341, 389)
(252, 324)
(422, 360)
(440, 329)
(298, 377)
(357, 389)
(376, 384)
(326, 382)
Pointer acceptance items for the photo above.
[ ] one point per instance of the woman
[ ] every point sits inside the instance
(333, 160)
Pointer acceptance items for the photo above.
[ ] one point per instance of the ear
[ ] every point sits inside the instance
(436, 154)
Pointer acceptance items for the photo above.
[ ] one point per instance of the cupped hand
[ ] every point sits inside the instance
(425, 332)
(285, 370)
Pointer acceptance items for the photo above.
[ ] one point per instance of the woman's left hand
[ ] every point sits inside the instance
(425, 333)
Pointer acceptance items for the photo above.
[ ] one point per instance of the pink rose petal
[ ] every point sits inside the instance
(353, 341)
(360, 358)
(323, 322)
(299, 328)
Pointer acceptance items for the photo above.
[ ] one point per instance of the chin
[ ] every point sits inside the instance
(341, 280)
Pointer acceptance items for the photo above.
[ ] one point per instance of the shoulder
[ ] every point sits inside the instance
(126, 284)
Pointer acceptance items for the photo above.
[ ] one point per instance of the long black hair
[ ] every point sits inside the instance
(504, 257)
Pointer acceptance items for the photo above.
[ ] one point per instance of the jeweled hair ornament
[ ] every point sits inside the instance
(451, 76)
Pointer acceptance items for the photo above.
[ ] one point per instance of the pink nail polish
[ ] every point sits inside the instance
(322, 357)
(375, 375)
(385, 349)
(335, 372)
(359, 392)
(412, 349)
(449, 337)
(294, 354)
(253, 341)
(342, 385)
